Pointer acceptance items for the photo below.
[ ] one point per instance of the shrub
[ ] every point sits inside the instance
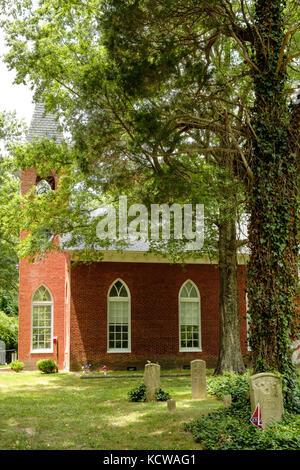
(229, 383)
(17, 366)
(160, 395)
(138, 393)
(48, 366)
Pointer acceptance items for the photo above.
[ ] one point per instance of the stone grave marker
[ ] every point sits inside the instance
(227, 400)
(198, 379)
(14, 356)
(296, 352)
(2, 352)
(171, 405)
(266, 389)
(151, 380)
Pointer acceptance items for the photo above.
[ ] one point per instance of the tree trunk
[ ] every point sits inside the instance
(273, 203)
(230, 355)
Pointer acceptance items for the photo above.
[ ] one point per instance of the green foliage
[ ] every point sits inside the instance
(74, 55)
(9, 303)
(47, 366)
(160, 395)
(9, 330)
(10, 130)
(9, 229)
(291, 393)
(17, 366)
(229, 383)
(137, 394)
(230, 428)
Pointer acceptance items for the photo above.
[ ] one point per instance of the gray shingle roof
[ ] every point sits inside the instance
(44, 125)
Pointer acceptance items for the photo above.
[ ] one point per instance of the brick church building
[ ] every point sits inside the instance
(127, 309)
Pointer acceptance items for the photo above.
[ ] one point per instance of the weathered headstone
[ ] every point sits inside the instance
(198, 378)
(2, 352)
(151, 380)
(296, 352)
(171, 405)
(227, 400)
(14, 356)
(266, 389)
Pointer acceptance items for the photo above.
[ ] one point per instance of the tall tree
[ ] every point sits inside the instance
(150, 98)
(10, 130)
(273, 193)
(262, 35)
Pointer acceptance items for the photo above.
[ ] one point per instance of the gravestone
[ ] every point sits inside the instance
(227, 400)
(296, 352)
(198, 379)
(171, 405)
(151, 380)
(14, 356)
(266, 389)
(2, 352)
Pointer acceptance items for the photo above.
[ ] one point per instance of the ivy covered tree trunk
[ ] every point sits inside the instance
(230, 355)
(272, 201)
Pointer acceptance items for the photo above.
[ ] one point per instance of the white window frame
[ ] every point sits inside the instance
(67, 315)
(190, 299)
(119, 299)
(41, 304)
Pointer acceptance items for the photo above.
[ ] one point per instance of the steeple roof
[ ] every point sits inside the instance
(44, 125)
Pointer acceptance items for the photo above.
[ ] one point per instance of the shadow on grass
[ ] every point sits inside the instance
(61, 411)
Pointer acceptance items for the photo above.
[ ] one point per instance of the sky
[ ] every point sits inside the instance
(14, 97)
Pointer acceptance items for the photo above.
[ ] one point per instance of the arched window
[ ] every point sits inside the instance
(44, 185)
(118, 317)
(42, 320)
(189, 318)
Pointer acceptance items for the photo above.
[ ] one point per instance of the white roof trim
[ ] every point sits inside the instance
(146, 257)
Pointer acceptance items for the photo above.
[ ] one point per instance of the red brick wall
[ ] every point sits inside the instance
(51, 272)
(154, 290)
(28, 179)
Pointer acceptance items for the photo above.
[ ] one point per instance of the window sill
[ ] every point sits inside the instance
(42, 351)
(190, 350)
(120, 351)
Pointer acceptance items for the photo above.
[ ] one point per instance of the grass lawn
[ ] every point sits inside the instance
(61, 411)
